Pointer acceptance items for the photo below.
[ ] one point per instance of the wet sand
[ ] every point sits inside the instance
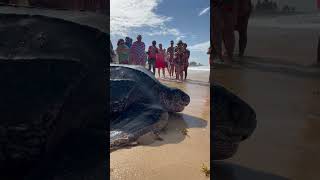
(177, 156)
(285, 144)
(290, 39)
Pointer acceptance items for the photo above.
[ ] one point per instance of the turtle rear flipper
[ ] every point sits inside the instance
(137, 121)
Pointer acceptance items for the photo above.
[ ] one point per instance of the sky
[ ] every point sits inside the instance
(163, 20)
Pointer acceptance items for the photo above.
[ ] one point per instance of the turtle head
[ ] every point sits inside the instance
(174, 100)
(235, 121)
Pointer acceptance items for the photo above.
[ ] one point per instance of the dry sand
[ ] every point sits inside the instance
(285, 144)
(177, 156)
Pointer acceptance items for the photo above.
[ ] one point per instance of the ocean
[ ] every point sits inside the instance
(199, 68)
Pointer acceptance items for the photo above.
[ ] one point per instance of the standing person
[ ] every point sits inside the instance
(160, 61)
(152, 52)
(179, 61)
(128, 42)
(123, 52)
(137, 52)
(211, 57)
(186, 60)
(112, 54)
(244, 11)
(224, 17)
(170, 57)
(166, 59)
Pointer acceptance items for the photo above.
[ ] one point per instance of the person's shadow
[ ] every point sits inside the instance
(229, 171)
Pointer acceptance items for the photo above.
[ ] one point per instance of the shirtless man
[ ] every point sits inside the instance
(170, 55)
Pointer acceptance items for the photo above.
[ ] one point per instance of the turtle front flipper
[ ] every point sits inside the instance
(135, 122)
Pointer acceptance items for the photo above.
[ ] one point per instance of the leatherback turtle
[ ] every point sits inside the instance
(139, 104)
(234, 122)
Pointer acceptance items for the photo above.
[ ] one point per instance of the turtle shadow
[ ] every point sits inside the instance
(177, 129)
(225, 170)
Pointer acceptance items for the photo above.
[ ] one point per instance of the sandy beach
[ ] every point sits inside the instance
(177, 156)
(284, 89)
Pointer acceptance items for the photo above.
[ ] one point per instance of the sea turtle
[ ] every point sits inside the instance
(139, 104)
(52, 75)
(233, 122)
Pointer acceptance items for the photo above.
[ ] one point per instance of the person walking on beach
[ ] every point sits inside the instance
(186, 60)
(137, 52)
(170, 57)
(152, 52)
(160, 61)
(123, 52)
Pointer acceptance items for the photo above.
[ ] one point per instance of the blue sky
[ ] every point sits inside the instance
(163, 20)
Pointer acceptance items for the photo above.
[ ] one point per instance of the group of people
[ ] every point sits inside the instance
(174, 59)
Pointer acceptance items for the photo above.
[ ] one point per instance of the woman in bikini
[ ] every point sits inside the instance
(186, 55)
(160, 60)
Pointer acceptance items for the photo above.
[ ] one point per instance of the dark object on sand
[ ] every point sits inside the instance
(233, 121)
(52, 81)
(139, 104)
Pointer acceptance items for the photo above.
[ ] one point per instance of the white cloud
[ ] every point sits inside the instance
(180, 37)
(164, 30)
(204, 11)
(126, 15)
(201, 47)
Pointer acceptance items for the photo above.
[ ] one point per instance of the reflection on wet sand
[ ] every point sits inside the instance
(182, 148)
(286, 141)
